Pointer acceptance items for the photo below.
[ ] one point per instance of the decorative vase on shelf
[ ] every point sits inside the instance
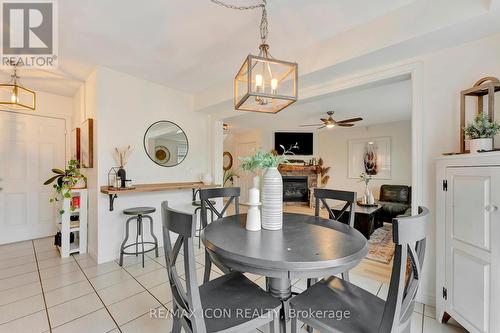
(480, 144)
(123, 176)
(272, 200)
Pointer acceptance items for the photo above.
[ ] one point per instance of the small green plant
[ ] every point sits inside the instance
(229, 176)
(481, 128)
(364, 178)
(262, 161)
(64, 180)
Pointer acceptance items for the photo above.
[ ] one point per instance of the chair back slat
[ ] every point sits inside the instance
(233, 195)
(187, 302)
(409, 234)
(322, 194)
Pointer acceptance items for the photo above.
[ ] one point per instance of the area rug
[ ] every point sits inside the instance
(380, 246)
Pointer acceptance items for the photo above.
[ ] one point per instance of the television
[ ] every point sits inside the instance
(300, 143)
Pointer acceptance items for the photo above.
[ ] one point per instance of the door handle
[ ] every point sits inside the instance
(491, 208)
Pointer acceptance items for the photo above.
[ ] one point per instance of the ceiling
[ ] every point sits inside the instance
(381, 103)
(197, 46)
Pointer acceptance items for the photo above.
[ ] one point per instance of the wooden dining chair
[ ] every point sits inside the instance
(206, 195)
(349, 198)
(367, 312)
(230, 303)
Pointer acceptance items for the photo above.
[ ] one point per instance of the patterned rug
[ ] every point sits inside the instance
(380, 246)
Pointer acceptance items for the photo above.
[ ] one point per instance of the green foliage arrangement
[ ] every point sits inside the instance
(481, 128)
(64, 180)
(262, 161)
(229, 176)
(364, 178)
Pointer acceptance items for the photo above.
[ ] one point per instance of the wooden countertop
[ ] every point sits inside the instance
(156, 187)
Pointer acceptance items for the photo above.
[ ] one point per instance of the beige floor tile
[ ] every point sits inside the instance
(163, 292)
(62, 280)
(416, 323)
(53, 253)
(86, 262)
(133, 260)
(19, 280)
(419, 307)
(383, 291)
(11, 262)
(96, 322)
(51, 272)
(74, 309)
(101, 269)
(199, 276)
(432, 326)
(21, 292)
(53, 262)
(147, 324)
(137, 269)
(120, 291)
(430, 311)
(252, 277)
(67, 293)
(18, 270)
(109, 279)
(15, 254)
(21, 308)
(133, 307)
(154, 278)
(16, 246)
(34, 323)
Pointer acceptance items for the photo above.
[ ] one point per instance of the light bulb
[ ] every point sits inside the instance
(274, 85)
(258, 81)
(330, 126)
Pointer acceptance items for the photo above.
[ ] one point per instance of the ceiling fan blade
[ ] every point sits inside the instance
(323, 119)
(345, 125)
(322, 127)
(311, 125)
(349, 120)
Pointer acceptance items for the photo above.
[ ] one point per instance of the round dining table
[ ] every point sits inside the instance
(306, 247)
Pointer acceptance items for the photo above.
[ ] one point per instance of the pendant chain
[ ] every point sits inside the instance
(263, 21)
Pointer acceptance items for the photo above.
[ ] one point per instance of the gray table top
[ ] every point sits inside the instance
(306, 243)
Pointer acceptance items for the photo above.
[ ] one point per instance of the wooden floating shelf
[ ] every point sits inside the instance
(142, 188)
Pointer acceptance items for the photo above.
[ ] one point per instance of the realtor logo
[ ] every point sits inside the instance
(29, 33)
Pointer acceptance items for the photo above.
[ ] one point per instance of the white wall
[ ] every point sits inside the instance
(333, 148)
(125, 107)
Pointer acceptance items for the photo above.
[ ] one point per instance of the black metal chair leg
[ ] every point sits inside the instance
(137, 237)
(142, 241)
(126, 238)
(152, 233)
(208, 267)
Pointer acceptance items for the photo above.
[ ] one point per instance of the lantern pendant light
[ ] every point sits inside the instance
(16, 97)
(264, 83)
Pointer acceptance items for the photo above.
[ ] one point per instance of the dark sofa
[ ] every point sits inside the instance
(395, 201)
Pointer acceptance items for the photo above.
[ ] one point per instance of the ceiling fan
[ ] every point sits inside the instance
(330, 122)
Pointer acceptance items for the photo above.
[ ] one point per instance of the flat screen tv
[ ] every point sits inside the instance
(302, 141)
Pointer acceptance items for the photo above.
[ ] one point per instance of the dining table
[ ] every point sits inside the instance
(306, 247)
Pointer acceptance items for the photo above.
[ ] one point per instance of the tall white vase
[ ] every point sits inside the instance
(272, 200)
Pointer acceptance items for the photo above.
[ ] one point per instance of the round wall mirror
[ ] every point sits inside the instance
(166, 143)
(227, 161)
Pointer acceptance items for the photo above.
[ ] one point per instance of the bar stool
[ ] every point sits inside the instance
(197, 204)
(138, 213)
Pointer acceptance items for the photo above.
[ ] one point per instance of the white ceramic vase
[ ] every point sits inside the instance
(368, 198)
(480, 144)
(272, 200)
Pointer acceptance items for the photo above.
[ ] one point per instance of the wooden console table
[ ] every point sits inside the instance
(113, 192)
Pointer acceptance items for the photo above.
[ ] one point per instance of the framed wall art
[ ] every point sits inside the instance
(371, 156)
(87, 144)
(75, 145)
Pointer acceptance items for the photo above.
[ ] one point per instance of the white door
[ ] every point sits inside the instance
(30, 146)
(473, 247)
(245, 180)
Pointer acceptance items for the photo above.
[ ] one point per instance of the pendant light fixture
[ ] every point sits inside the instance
(16, 97)
(263, 83)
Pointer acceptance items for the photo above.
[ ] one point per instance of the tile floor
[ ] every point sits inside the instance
(40, 292)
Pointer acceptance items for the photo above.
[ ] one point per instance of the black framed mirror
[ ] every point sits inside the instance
(166, 143)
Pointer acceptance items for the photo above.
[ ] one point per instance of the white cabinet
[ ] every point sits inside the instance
(73, 222)
(468, 241)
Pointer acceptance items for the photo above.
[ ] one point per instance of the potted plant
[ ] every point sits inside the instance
(64, 181)
(480, 133)
(272, 187)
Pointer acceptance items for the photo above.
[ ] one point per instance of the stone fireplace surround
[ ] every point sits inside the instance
(312, 173)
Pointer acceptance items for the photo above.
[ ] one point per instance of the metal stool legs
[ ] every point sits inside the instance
(140, 232)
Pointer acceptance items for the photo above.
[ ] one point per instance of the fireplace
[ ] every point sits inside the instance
(295, 189)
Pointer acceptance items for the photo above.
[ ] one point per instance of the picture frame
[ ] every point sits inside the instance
(76, 144)
(371, 156)
(87, 144)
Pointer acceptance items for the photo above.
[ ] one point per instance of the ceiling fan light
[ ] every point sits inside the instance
(330, 126)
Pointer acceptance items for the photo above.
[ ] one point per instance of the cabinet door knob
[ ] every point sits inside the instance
(491, 208)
